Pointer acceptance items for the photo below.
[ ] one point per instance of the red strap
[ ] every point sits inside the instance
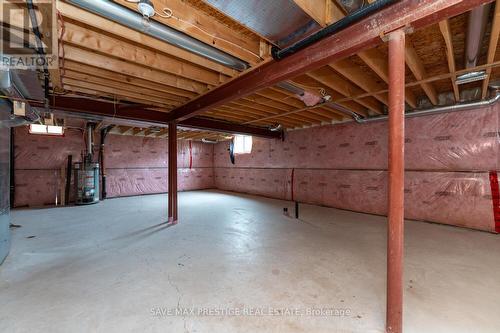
(495, 199)
(190, 154)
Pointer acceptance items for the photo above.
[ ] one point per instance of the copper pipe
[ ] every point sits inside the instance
(172, 173)
(395, 230)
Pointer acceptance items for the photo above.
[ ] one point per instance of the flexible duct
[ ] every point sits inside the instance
(131, 19)
(436, 110)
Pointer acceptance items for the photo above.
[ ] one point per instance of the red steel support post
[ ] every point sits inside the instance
(172, 172)
(395, 231)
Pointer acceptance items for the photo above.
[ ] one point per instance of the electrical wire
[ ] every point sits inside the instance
(168, 13)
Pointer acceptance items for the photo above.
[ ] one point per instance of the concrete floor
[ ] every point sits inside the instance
(110, 268)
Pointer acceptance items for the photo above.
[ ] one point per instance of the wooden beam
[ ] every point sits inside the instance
(444, 26)
(356, 75)
(205, 28)
(125, 79)
(93, 40)
(282, 98)
(417, 68)
(377, 61)
(295, 98)
(109, 111)
(139, 131)
(251, 105)
(434, 78)
(353, 39)
(336, 82)
(98, 60)
(127, 131)
(495, 32)
(118, 92)
(278, 106)
(97, 22)
(126, 87)
(315, 9)
(93, 93)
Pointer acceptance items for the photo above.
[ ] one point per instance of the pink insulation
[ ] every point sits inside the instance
(139, 165)
(134, 165)
(38, 163)
(448, 160)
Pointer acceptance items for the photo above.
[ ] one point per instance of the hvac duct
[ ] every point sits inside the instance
(352, 5)
(478, 17)
(131, 19)
(17, 84)
(440, 109)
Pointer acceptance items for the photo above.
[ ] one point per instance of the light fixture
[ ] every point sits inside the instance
(146, 8)
(46, 129)
(471, 77)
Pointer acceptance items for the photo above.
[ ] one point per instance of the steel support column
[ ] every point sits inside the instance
(172, 172)
(395, 230)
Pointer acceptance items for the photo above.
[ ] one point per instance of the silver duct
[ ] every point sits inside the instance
(15, 84)
(478, 18)
(133, 20)
(436, 110)
(90, 141)
(352, 5)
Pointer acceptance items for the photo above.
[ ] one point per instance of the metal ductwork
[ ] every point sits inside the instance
(134, 20)
(352, 5)
(18, 84)
(439, 109)
(280, 21)
(478, 18)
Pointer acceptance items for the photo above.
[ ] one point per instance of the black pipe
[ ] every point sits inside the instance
(39, 48)
(352, 18)
(12, 168)
(104, 133)
(296, 209)
(69, 171)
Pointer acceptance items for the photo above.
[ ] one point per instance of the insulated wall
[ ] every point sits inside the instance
(134, 165)
(139, 165)
(451, 163)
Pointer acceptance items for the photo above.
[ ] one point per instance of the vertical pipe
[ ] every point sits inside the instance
(172, 172)
(104, 133)
(395, 232)
(69, 171)
(12, 169)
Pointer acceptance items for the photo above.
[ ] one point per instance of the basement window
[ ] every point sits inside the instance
(242, 144)
(46, 130)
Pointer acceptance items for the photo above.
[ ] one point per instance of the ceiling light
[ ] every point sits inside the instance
(46, 129)
(471, 77)
(146, 8)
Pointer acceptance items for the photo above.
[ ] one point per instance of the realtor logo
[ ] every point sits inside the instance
(28, 37)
